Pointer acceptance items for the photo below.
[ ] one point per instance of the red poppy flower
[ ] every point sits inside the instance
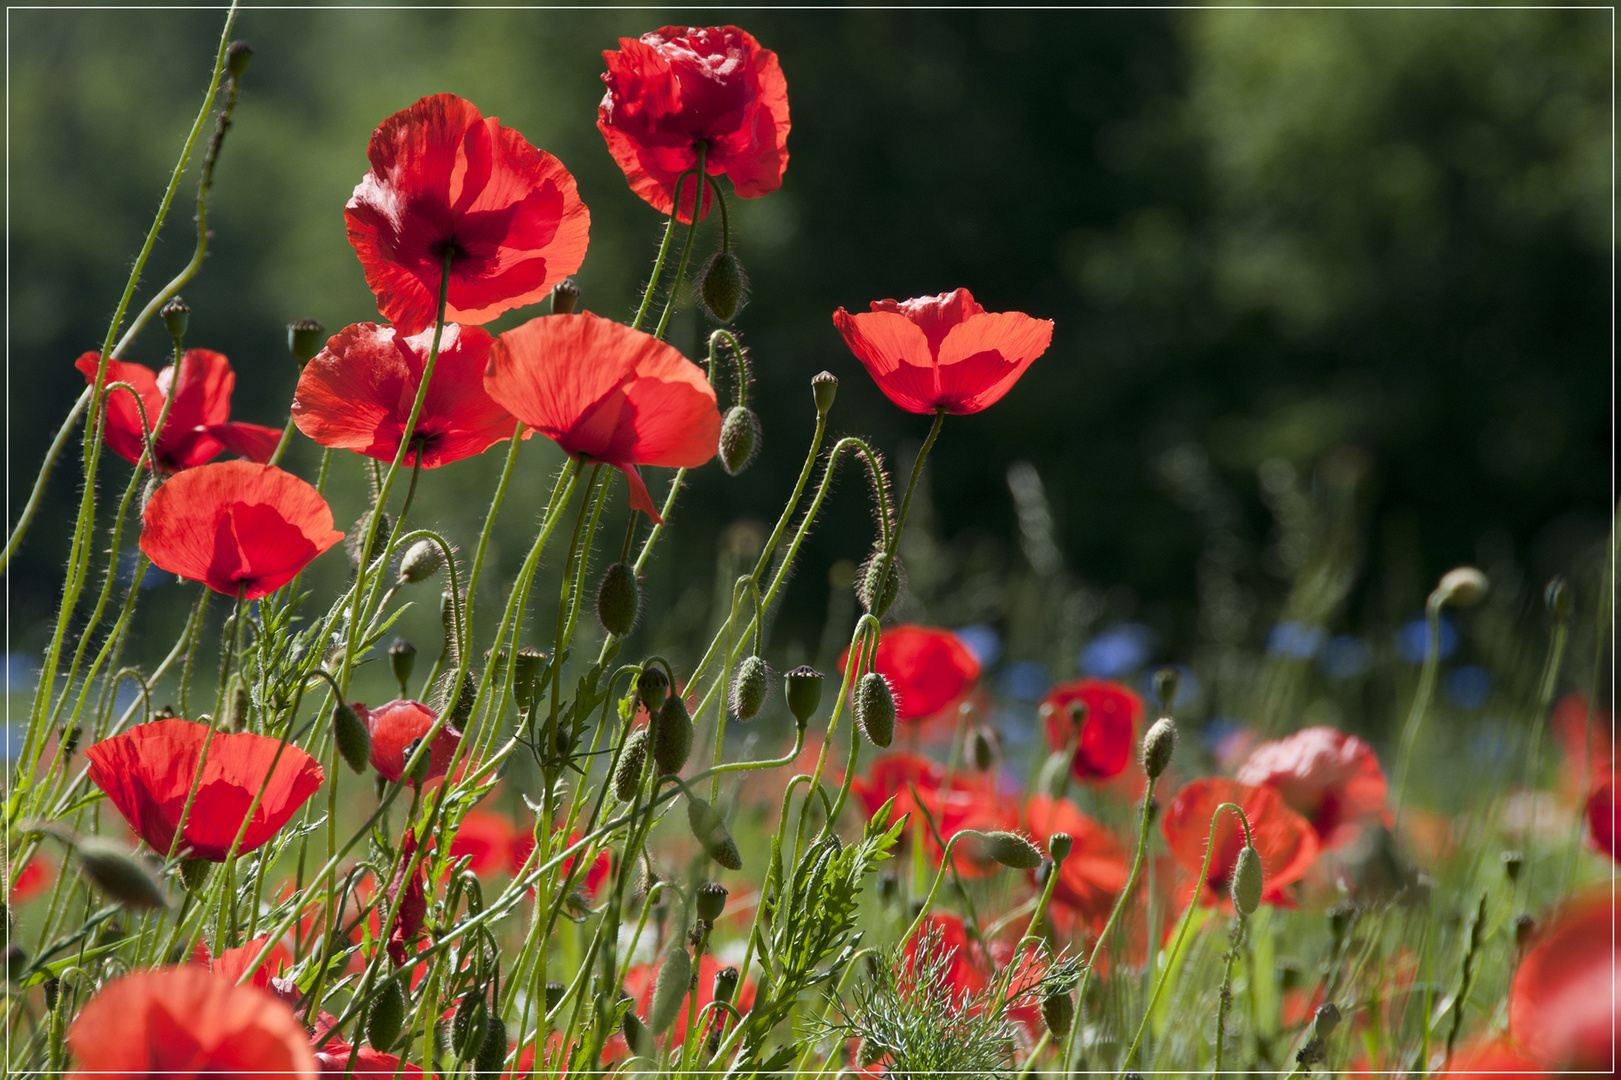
(182, 1021)
(639, 982)
(232, 964)
(488, 838)
(147, 772)
(968, 970)
(237, 527)
(32, 880)
(444, 177)
(1570, 727)
(398, 724)
(1110, 714)
(943, 352)
(523, 845)
(199, 423)
(961, 802)
(1563, 1006)
(1334, 779)
(928, 670)
(605, 392)
(358, 391)
(413, 908)
(678, 86)
(333, 1060)
(1601, 817)
(1490, 1060)
(1285, 841)
(1092, 876)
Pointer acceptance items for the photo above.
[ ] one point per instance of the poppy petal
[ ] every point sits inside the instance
(983, 357)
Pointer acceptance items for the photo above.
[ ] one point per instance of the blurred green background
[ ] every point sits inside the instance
(1332, 292)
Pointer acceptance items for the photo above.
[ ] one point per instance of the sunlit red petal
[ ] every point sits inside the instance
(1108, 735)
(1332, 778)
(398, 724)
(1095, 872)
(928, 669)
(1563, 1005)
(1285, 841)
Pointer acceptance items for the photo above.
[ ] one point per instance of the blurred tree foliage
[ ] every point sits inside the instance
(1286, 251)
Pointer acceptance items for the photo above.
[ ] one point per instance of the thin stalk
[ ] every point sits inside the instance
(686, 247)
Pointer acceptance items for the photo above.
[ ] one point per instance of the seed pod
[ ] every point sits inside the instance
(619, 599)
(349, 731)
(565, 296)
(554, 994)
(637, 1037)
(725, 983)
(1012, 850)
(739, 439)
(628, 776)
(672, 736)
(1247, 881)
(175, 317)
(1058, 1011)
(706, 824)
(1459, 588)
(118, 874)
(1512, 862)
(878, 583)
(1525, 928)
(1158, 745)
(387, 1014)
(824, 388)
(982, 747)
(422, 560)
(651, 686)
(492, 1053)
(194, 874)
(1325, 1021)
(723, 286)
(1166, 682)
(803, 689)
(1059, 845)
(750, 685)
(711, 901)
(402, 657)
(875, 709)
(670, 990)
(526, 672)
(238, 55)
(467, 1029)
(304, 339)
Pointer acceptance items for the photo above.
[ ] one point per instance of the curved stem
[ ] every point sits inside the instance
(911, 485)
(1421, 702)
(686, 248)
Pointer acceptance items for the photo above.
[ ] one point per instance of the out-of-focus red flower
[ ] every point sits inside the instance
(1110, 714)
(595, 874)
(639, 982)
(358, 391)
(446, 178)
(34, 878)
(1332, 778)
(1601, 817)
(943, 352)
(1490, 1059)
(1285, 841)
(147, 772)
(199, 423)
(961, 802)
(967, 972)
(928, 670)
(333, 1060)
(1091, 878)
(1570, 727)
(1562, 1006)
(488, 837)
(236, 527)
(605, 392)
(675, 87)
(413, 907)
(184, 1021)
(231, 964)
(398, 724)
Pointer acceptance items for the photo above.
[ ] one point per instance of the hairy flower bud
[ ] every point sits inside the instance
(875, 709)
(1058, 1011)
(239, 710)
(468, 1027)
(402, 657)
(803, 689)
(672, 736)
(878, 583)
(1158, 745)
(387, 1014)
(1054, 775)
(739, 439)
(706, 824)
(1059, 845)
(422, 560)
(238, 55)
(750, 685)
(651, 687)
(982, 747)
(304, 339)
(176, 315)
(637, 1037)
(619, 599)
(1247, 881)
(670, 990)
(357, 536)
(492, 1053)
(711, 900)
(526, 673)
(565, 297)
(349, 732)
(118, 874)
(824, 388)
(1012, 850)
(1167, 680)
(628, 776)
(723, 286)
(1459, 588)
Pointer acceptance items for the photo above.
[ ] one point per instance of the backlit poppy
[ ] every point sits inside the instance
(398, 724)
(639, 982)
(239, 528)
(964, 801)
(605, 392)
(1332, 778)
(676, 87)
(1092, 876)
(1109, 714)
(147, 772)
(358, 391)
(333, 1059)
(182, 1021)
(928, 670)
(488, 838)
(1285, 841)
(523, 845)
(445, 178)
(199, 423)
(943, 352)
(232, 964)
(1562, 1005)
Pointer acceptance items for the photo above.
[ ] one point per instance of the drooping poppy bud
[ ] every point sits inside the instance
(651, 686)
(670, 989)
(387, 1014)
(349, 731)
(637, 1037)
(628, 776)
(1462, 587)
(402, 657)
(711, 900)
(421, 562)
(1158, 745)
(1058, 1011)
(238, 55)
(304, 339)
(565, 297)
(1247, 881)
(619, 599)
(1012, 850)
(739, 439)
(672, 736)
(723, 286)
(118, 874)
(750, 685)
(706, 824)
(803, 689)
(824, 388)
(176, 315)
(875, 709)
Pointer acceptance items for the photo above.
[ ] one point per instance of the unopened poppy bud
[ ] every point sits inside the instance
(706, 824)
(651, 687)
(619, 599)
(824, 388)
(672, 736)
(878, 583)
(304, 339)
(238, 55)
(983, 748)
(803, 689)
(1054, 775)
(1059, 845)
(379, 541)
(565, 297)
(1525, 928)
(739, 439)
(349, 731)
(492, 1054)
(711, 901)
(1326, 1019)
(387, 1014)
(194, 874)
(176, 316)
(670, 990)
(460, 709)
(526, 669)
(422, 560)
(1459, 588)
(1012, 850)
(1166, 682)
(1557, 597)
(1058, 1011)
(554, 994)
(628, 775)
(726, 983)
(750, 685)
(723, 286)
(239, 711)
(402, 657)
(1512, 862)
(118, 874)
(1158, 746)
(875, 709)
(467, 1027)
(1247, 881)
(637, 1037)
